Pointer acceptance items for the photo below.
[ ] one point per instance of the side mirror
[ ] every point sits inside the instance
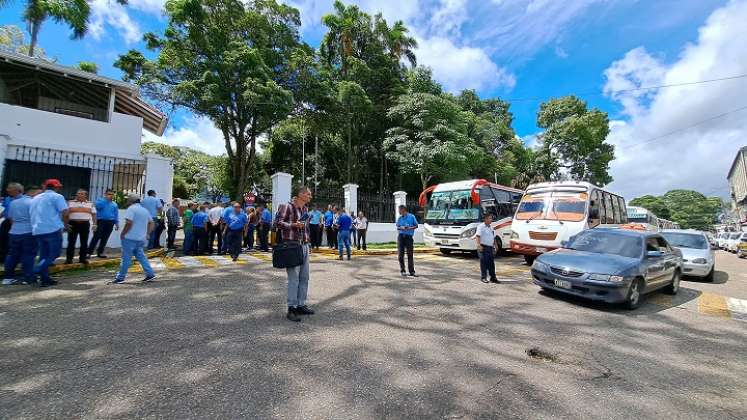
(564, 244)
(654, 254)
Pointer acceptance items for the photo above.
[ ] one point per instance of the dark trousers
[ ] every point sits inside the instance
(4, 238)
(101, 236)
(316, 235)
(213, 231)
(263, 231)
(81, 229)
(22, 248)
(160, 227)
(199, 240)
(362, 238)
(487, 262)
(171, 236)
(332, 237)
(233, 240)
(249, 237)
(405, 244)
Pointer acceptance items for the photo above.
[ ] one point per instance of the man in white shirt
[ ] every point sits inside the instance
(485, 247)
(214, 228)
(139, 225)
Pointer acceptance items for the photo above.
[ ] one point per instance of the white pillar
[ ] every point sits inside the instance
(159, 176)
(351, 198)
(400, 199)
(281, 189)
(4, 138)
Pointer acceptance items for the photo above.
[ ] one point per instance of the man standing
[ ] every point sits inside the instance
(290, 221)
(265, 221)
(5, 227)
(154, 206)
(485, 242)
(344, 225)
(107, 219)
(214, 228)
(226, 209)
(188, 244)
(406, 225)
(21, 244)
(82, 216)
(315, 227)
(48, 218)
(329, 217)
(236, 224)
(362, 226)
(172, 223)
(199, 230)
(138, 226)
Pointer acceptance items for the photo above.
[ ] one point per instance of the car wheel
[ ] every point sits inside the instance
(709, 277)
(529, 259)
(635, 294)
(445, 251)
(674, 286)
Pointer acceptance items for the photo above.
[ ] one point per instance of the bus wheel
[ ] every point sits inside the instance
(445, 251)
(529, 259)
(497, 248)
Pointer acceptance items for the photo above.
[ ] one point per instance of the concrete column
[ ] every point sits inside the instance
(400, 199)
(281, 190)
(351, 199)
(159, 176)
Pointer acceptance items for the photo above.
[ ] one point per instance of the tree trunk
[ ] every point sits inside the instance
(35, 27)
(350, 154)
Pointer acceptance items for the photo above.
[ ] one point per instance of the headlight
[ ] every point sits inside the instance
(469, 232)
(538, 266)
(514, 235)
(605, 277)
(700, 261)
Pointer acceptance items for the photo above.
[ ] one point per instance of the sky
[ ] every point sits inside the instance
(526, 52)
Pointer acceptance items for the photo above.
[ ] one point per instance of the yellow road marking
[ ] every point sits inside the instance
(207, 262)
(238, 261)
(172, 263)
(261, 256)
(135, 268)
(713, 304)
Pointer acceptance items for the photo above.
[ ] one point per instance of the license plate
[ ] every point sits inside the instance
(541, 250)
(563, 284)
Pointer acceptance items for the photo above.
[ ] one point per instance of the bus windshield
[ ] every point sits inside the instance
(568, 207)
(451, 206)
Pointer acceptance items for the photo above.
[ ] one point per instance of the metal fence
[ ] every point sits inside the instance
(95, 173)
(326, 196)
(380, 208)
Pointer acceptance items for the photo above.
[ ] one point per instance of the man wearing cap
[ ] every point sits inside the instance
(107, 217)
(49, 214)
(138, 226)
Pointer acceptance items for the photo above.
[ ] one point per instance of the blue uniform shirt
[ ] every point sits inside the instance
(226, 212)
(19, 211)
(6, 202)
(408, 220)
(107, 210)
(236, 221)
(344, 222)
(266, 216)
(329, 217)
(46, 210)
(199, 219)
(152, 204)
(315, 217)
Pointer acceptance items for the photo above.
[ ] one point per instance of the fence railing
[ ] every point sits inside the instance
(380, 208)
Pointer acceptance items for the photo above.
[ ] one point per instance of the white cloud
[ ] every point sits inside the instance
(107, 13)
(196, 132)
(698, 157)
(560, 52)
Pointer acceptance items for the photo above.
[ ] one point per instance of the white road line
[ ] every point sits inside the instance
(221, 260)
(738, 308)
(190, 262)
(157, 264)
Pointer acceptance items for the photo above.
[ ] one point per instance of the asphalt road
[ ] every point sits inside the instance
(213, 343)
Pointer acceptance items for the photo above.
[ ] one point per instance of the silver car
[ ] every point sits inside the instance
(698, 257)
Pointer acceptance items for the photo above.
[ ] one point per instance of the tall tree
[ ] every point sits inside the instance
(345, 37)
(656, 205)
(397, 41)
(228, 61)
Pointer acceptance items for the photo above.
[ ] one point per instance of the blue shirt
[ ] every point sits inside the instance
(344, 222)
(138, 217)
(328, 218)
(226, 212)
(19, 211)
(315, 217)
(107, 210)
(152, 204)
(6, 202)
(199, 220)
(266, 216)
(46, 212)
(236, 221)
(408, 220)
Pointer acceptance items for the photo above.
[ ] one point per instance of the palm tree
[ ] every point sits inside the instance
(342, 40)
(400, 44)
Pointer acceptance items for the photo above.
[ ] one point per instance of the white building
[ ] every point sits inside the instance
(738, 183)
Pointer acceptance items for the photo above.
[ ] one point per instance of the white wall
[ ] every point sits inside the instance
(159, 176)
(387, 232)
(31, 127)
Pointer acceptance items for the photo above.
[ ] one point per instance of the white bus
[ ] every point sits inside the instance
(552, 212)
(641, 218)
(453, 210)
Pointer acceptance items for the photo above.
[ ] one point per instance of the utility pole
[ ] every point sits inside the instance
(316, 161)
(303, 153)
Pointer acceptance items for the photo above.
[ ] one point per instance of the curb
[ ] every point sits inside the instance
(59, 268)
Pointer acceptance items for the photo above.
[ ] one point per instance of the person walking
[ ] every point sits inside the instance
(200, 230)
(485, 238)
(236, 224)
(49, 214)
(107, 219)
(81, 218)
(251, 226)
(406, 225)
(329, 217)
(361, 225)
(265, 222)
(21, 243)
(292, 227)
(154, 206)
(188, 243)
(173, 219)
(138, 226)
(315, 227)
(344, 226)
(214, 228)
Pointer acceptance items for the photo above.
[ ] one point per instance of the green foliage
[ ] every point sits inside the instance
(653, 204)
(12, 39)
(691, 209)
(88, 66)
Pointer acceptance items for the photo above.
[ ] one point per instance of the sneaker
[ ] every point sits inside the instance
(340, 258)
(48, 283)
(149, 278)
(8, 282)
(494, 280)
(413, 275)
(403, 274)
(292, 315)
(68, 261)
(348, 257)
(102, 256)
(117, 281)
(484, 280)
(304, 310)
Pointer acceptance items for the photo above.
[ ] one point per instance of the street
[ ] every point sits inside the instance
(211, 341)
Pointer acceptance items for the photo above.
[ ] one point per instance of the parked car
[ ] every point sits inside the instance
(733, 241)
(721, 240)
(698, 257)
(742, 247)
(611, 265)
(711, 238)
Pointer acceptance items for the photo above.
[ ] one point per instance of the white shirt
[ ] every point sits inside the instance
(139, 216)
(81, 211)
(361, 223)
(486, 234)
(215, 214)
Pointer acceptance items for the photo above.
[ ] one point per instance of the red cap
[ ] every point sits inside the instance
(52, 182)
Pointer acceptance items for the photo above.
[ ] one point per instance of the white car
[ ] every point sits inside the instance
(723, 237)
(698, 257)
(733, 241)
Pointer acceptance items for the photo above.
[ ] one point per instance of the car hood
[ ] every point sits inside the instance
(588, 262)
(692, 253)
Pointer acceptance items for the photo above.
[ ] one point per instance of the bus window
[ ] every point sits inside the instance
(623, 210)
(616, 206)
(595, 209)
(609, 213)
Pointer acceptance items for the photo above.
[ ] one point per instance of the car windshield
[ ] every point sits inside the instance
(569, 207)
(686, 240)
(455, 206)
(735, 236)
(601, 242)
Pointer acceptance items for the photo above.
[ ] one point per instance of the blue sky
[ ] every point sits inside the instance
(526, 50)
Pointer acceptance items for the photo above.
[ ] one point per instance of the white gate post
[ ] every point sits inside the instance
(351, 198)
(400, 199)
(281, 190)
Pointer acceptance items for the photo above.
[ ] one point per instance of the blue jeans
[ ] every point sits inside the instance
(187, 244)
(343, 238)
(298, 281)
(21, 248)
(154, 234)
(487, 262)
(49, 246)
(132, 248)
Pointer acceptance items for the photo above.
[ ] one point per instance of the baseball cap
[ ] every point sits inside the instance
(52, 182)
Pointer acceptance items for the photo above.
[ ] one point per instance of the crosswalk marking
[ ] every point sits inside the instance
(738, 308)
(190, 261)
(713, 304)
(173, 263)
(219, 259)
